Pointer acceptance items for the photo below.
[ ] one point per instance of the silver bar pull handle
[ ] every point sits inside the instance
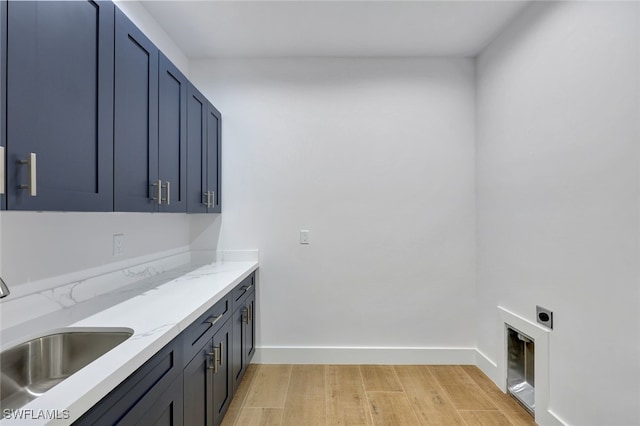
(167, 186)
(2, 183)
(214, 361)
(206, 196)
(213, 320)
(158, 187)
(245, 315)
(33, 177)
(213, 199)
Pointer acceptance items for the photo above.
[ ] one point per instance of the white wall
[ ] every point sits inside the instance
(557, 198)
(38, 245)
(376, 158)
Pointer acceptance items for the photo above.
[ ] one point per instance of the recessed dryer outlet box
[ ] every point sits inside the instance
(521, 368)
(544, 316)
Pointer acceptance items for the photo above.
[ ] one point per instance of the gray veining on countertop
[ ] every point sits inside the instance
(156, 305)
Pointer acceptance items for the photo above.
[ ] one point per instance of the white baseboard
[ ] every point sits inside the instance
(555, 420)
(489, 368)
(363, 355)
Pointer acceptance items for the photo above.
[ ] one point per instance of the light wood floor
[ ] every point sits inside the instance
(309, 395)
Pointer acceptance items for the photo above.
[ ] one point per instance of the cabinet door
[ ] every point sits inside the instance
(152, 383)
(250, 332)
(198, 388)
(59, 78)
(197, 197)
(163, 410)
(3, 104)
(172, 136)
(222, 379)
(136, 119)
(243, 338)
(214, 138)
(240, 316)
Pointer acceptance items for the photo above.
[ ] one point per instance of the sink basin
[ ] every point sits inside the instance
(31, 368)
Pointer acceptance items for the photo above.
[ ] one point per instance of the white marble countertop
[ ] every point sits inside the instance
(166, 305)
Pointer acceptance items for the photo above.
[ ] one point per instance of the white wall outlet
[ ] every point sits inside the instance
(304, 236)
(118, 244)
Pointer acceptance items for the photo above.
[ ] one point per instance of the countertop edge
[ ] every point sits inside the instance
(116, 362)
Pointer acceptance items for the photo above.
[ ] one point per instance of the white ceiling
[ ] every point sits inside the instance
(265, 28)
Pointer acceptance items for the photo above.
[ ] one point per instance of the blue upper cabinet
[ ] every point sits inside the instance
(214, 138)
(203, 157)
(198, 199)
(136, 180)
(93, 117)
(58, 127)
(172, 137)
(3, 104)
(150, 125)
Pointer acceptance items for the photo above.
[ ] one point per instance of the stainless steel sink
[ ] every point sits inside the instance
(32, 368)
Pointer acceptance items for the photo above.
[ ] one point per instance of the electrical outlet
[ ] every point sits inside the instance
(544, 316)
(304, 236)
(118, 244)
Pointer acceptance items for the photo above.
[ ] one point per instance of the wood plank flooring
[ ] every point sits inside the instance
(371, 395)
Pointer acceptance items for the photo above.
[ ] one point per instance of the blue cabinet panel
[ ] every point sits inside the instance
(172, 136)
(151, 390)
(204, 152)
(93, 117)
(222, 377)
(3, 100)
(198, 388)
(166, 409)
(208, 385)
(59, 94)
(243, 328)
(191, 380)
(197, 197)
(214, 138)
(135, 119)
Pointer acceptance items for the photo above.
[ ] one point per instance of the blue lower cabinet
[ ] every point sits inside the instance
(198, 388)
(208, 386)
(222, 376)
(164, 409)
(192, 380)
(151, 389)
(243, 337)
